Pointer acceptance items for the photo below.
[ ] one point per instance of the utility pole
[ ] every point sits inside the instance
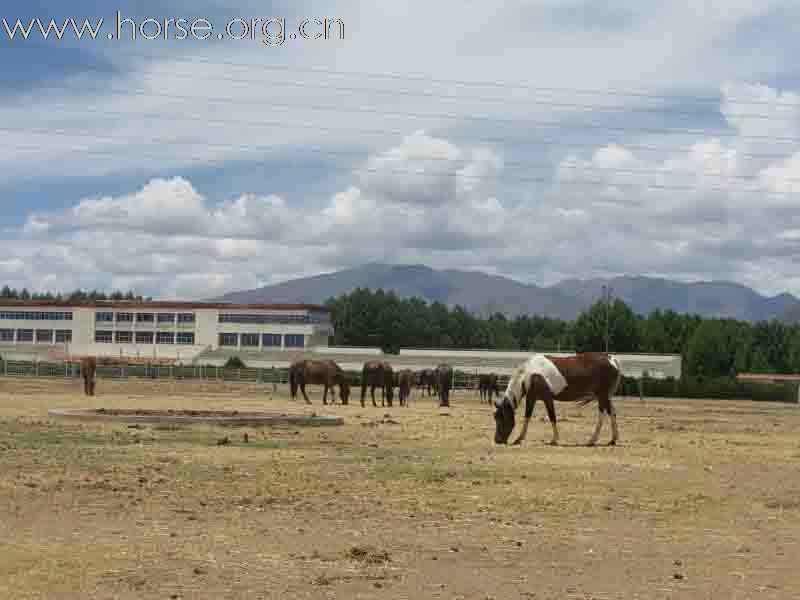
(607, 299)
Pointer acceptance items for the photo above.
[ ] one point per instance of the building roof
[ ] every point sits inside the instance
(158, 304)
(768, 377)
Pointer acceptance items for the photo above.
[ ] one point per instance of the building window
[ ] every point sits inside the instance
(271, 340)
(34, 316)
(229, 339)
(185, 317)
(145, 318)
(24, 335)
(124, 317)
(104, 317)
(64, 336)
(295, 341)
(250, 340)
(44, 336)
(123, 337)
(144, 337)
(165, 337)
(166, 317)
(6, 336)
(103, 337)
(186, 338)
(265, 319)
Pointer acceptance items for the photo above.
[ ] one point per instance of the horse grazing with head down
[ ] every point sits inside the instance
(488, 386)
(444, 381)
(377, 373)
(89, 373)
(582, 378)
(318, 372)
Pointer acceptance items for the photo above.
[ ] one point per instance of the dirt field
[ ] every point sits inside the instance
(701, 500)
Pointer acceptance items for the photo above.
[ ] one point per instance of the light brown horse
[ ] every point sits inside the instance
(586, 377)
(88, 373)
(377, 373)
(318, 372)
(405, 379)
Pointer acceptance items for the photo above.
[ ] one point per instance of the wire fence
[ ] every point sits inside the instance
(462, 380)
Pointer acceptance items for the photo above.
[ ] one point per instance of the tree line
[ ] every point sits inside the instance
(710, 347)
(9, 293)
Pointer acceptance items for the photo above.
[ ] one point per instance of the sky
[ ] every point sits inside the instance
(540, 140)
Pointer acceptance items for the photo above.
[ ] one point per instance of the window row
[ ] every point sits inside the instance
(183, 338)
(127, 317)
(254, 340)
(254, 319)
(15, 315)
(39, 336)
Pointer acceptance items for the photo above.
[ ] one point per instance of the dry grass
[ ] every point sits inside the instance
(701, 500)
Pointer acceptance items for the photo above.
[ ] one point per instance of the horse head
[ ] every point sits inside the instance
(504, 420)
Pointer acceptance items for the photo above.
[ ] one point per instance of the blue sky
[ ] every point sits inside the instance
(190, 168)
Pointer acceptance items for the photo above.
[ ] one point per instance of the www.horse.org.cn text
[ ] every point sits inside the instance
(270, 32)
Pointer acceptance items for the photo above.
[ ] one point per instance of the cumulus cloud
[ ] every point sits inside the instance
(710, 210)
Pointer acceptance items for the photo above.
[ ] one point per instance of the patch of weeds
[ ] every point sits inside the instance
(369, 555)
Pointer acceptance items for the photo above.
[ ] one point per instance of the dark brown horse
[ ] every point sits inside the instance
(582, 378)
(444, 381)
(89, 373)
(377, 373)
(488, 386)
(318, 372)
(405, 379)
(426, 380)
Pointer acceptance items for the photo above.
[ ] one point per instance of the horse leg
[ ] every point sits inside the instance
(303, 389)
(551, 414)
(530, 402)
(602, 410)
(614, 429)
(363, 393)
(325, 394)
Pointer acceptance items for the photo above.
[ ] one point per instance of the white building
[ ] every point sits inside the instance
(159, 330)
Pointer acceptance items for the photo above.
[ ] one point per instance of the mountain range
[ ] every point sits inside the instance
(483, 294)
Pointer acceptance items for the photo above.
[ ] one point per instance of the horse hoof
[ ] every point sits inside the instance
(612, 443)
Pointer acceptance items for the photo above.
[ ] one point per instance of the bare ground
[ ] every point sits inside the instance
(701, 500)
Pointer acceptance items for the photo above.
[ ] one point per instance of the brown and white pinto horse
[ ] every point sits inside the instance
(377, 373)
(88, 373)
(589, 376)
(318, 372)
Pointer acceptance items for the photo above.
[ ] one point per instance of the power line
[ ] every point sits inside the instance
(531, 141)
(445, 81)
(357, 153)
(384, 170)
(416, 115)
(426, 94)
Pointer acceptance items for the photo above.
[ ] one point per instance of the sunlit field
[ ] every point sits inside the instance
(700, 500)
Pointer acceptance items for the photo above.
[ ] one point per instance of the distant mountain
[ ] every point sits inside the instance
(485, 294)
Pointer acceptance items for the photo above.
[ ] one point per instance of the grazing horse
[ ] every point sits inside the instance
(88, 373)
(444, 380)
(377, 373)
(405, 379)
(582, 378)
(488, 385)
(427, 381)
(319, 372)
